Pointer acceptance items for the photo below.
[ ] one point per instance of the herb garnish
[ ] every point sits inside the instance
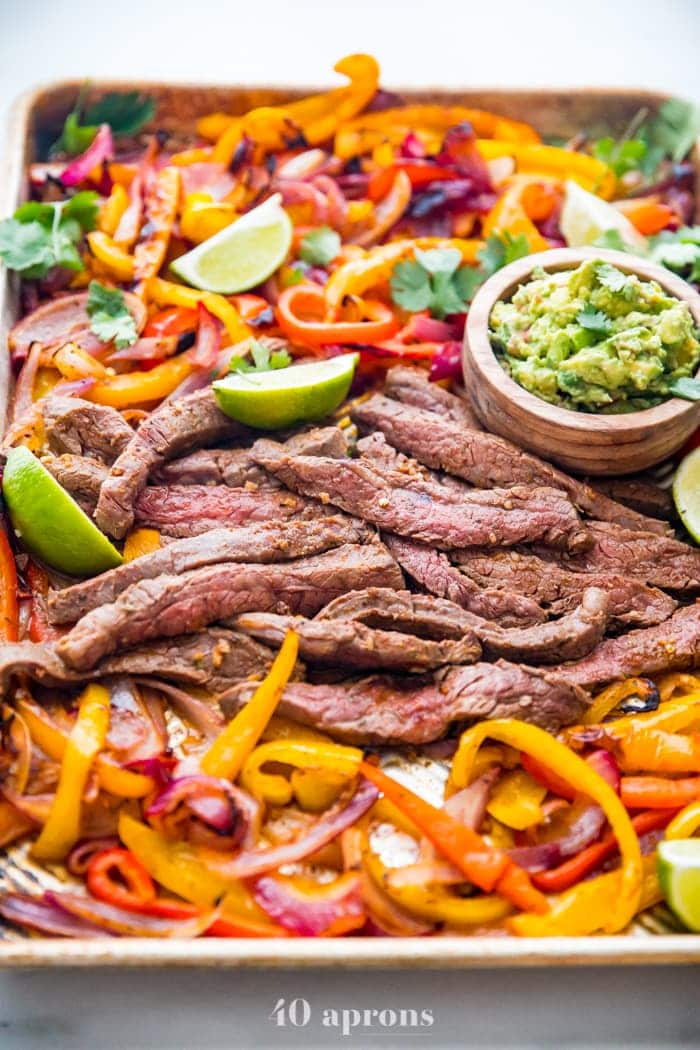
(594, 320)
(110, 317)
(39, 236)
(126, 112)
(320, 247)
(263, 359)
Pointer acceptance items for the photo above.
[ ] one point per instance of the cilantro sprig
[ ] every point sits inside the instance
(320, 247)
(259, 358)
(594, 320)
(126, 112)
(646, 143)
(40, 236)
(110, 317)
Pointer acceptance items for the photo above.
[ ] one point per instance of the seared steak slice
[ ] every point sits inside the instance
(422, 509)
(84, 429)
(171, 604)
(670, 646)
(639, 493)
(483, 459)
(81, 476)
(433, 570)
(189, 510)
(174, 427)
(630, 602)
(212, 659)
(267, 542)
(393, 710)
(657, 560)
(415, 614)
(212, 466)
(344, 643)
(412, 387)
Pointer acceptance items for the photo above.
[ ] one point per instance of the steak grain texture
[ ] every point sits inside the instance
(412, 387)
(640, 493)
(82, 428)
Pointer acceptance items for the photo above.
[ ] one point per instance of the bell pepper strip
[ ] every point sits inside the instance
(388, 211)
(302, 754)
(509, 215)
(419, 172)
(161, 209)
(137, 388)
(562, 761)
(118, 262)
(592, 174)
(226, 756)
(131, 890)
(301, 300)
(648, 215)
(174, 320)
(196, 155)
(140, 542)
(9, 605)
(53, 741)
(75, 363)
(87, 738)
(167, 293)
(540, 772)
(40, 630)
(516, 800)
(612, 696)
(202, 217)
(576, 868)
(654, 751)
(234, 926)
(686, 823)
(670, 683)
(585, 908)
(489, 869)
(112, 209)
(658, 793)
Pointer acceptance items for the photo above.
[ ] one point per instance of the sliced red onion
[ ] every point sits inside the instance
(337, 819)
(447, 362)
(606, 766)
(24, 389)
(158, 767)
(205, 717)
(337, 204)
(196, 380)
(537, 858)
(206, 177)
(425, 873)
(586, 825)
(468, 806)
(230, 812)
(303, 165)
(459, 148)
(74, 387)
(125, 923)
(80, 856)
(309, 916)
(412, 148)
(101, 149)
(294, 191)
(46, 917)
(205, 352)
(426, 329)
(149, 348)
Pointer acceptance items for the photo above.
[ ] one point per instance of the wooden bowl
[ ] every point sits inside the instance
(588, 443)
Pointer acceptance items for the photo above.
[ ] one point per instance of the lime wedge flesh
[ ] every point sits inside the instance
(679, 878)
(241, 255)
(585, 217)
(284, 396)
(686, 493)
(49, 522)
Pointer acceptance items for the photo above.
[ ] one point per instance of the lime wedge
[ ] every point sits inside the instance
(283, 396)
(241, 255)
(686, 493)
(679, 878)
(585, 217)
(49, 522)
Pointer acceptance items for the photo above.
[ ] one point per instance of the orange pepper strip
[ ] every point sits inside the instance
(647, 216)
(9, 606)
(310, 299)
(509, 216)
(658, 792)
(161, 210)
(388, 211)
(487, 868)
(530, 159)
(135, 388)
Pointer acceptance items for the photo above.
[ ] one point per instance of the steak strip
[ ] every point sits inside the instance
(212, 466)
(670, 646)
(412, 387)
(422, 509)
(82, 428)
(178, 604)
(268, 542)
(483, 459)
(638, 493)
(392, 710)
(630, 602)
(81, 476)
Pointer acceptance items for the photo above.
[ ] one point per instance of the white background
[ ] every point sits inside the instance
(647, 43)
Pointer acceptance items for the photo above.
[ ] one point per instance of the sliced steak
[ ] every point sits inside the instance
(415, 614)
(82, 428)
(344, 643)
(174, 427)
(212, 466)
(433, 570)
(171, 604)
(630, 602)
(393, 710)
(640, 493)
(81, 476)
(267, 542)
(422, 509)
(670, 646)
(483, 459)
(412, 387)
(212, 659)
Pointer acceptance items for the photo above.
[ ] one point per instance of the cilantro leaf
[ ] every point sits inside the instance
(466, 281)
(410, 286)
(501, 249)
(685, 387)
(320, 247)
(624, 156)
(125, 112)
(110, 318)
(439, 260)
(614, 280)
(25, 247)
(611, 239)
(40, 236)
(675, 128)
(594, 320)
(263, 359)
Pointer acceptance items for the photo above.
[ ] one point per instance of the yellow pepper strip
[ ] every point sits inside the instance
(590, 173)
(202, 217)
(607, 700)
(303, 754)
(516, 800)
(87, 738)
(196, 155)
(279, 728)
(226, 756)
(136, 388)
(140, 542)
(669, 683)
(213, 125)
(44, 382)
(564, 763)
(356, 276)
(112, 210)
(167, 293)
(654, 751)
(669, 717)
(75, 363)
(315, 790)
(52, 740)
(584, 908)
(509, 215)
(161, 210)
(686, 823)
(113, 257)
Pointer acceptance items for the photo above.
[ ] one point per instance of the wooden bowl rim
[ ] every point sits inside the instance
(503, 284)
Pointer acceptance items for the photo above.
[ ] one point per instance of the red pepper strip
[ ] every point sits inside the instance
(9, 606)
(544, 776)
(576, 868)
(301, 300)
(409, 351)
(487, 868)
(658, 792)
(250, 306)
(224, 927)
(161, 209)
(206, 350)
(40, 630)
(175, 320)
(419, 172)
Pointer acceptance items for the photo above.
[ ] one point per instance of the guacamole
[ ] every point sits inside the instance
(595, 339)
